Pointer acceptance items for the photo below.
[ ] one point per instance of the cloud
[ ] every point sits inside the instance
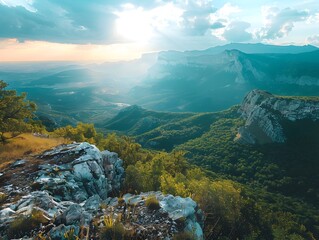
(177, 23)
(224, 24)
(196, 16)
(217, 25)
(313, 40)
(279, 23)
(237, 32)
(94, 22)
(27, 4)
(168, 21)
(59, 21)
(314, 18)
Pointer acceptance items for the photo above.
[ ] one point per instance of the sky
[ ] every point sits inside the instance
(113, 30)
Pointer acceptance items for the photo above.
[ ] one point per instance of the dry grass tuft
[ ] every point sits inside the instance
(152, 203)
(24, 145)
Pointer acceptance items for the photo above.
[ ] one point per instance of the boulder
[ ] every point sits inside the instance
(75, 215)
(78, 171)
(184, 208)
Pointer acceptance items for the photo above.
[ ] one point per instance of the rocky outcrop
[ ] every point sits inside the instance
(78, 171)
(265, 115)
(69, 193)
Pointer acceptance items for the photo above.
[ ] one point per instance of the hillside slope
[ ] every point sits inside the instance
(135, 120)
(284, 176)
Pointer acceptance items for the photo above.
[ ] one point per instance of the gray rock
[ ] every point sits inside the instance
(57, 233)
(40, 200)
(93, 203)
(19, 163)
(75, 215)
(80, 170)
(6, 215)
(178, 207)
(264, 114)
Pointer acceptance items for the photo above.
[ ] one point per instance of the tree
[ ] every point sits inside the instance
(82, 132)
(16, 113)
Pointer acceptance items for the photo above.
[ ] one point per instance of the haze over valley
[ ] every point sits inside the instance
(192, 81)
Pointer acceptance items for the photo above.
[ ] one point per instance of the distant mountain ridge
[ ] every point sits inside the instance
(258, 48)
(182, 81)
(249, 48)
(192, 81)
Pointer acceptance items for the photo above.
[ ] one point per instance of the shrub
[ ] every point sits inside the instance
(114, 230)
(184, 236)
(23, 225)
(3, 197)
(152, 203)
(181, 223)
(121, 201)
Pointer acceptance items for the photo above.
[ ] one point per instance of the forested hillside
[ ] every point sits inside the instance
(282, 177)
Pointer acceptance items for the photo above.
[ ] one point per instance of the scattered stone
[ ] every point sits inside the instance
(19, 163)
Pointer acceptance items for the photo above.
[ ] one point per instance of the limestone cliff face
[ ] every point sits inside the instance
(265, 114)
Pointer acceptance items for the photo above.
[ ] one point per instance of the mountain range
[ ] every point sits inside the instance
(193, 81)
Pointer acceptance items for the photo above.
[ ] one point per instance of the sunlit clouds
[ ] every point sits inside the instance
(12, 50)
(119, 29)
(138, 25)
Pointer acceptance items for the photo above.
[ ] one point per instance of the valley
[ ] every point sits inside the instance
(192, 81)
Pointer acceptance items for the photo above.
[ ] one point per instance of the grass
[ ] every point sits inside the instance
(152, 203)
(70, 235)
(113, 229)
(302, 98)
(23, 225)
(23, 145)
(3, 198)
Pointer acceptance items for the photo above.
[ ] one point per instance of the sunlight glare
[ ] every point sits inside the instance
(134, 25)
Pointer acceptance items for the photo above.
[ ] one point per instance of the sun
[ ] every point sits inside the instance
(134, 25)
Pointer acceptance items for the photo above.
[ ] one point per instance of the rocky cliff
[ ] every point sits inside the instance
(70, 191)
(265, 116)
